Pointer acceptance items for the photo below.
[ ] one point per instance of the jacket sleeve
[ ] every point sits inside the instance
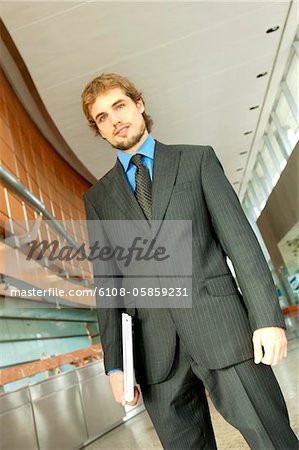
(240, 244)
(109, 318)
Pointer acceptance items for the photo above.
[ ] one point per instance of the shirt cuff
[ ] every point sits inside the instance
(113, 370)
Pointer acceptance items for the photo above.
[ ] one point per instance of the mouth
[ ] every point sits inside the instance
(122, 131)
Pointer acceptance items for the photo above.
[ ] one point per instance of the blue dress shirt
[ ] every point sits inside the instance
(147, 151)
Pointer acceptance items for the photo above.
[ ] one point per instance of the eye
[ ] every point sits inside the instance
(120, 105)
(103, 118)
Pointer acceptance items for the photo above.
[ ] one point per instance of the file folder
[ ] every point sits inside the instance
(128, 364)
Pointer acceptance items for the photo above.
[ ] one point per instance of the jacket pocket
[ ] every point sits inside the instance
(222, 285)
(181, 187)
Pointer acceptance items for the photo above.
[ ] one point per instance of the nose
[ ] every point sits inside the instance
(115, 118)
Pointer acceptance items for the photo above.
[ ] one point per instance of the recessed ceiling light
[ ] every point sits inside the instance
(244, 153)
(271, 30)
(239, 169)
(254, 107)
(248, 132)
(260, 75)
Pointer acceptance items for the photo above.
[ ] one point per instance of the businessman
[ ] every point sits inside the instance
(227, 341)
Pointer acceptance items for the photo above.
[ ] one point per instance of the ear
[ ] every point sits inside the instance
(140, 105)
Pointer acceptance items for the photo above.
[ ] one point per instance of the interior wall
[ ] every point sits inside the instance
(27, 155)
(34, 161)
(281, 212)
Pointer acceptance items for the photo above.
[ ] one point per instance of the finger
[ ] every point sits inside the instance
(278, 354)
(133, 402)
(258, 351)
(280, 351)
(285, 347)
(136, 397)
(137, 394)
(268, 355)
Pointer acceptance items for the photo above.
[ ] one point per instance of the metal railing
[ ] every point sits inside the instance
(10, 180)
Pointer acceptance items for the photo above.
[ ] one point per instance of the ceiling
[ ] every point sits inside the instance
(195, 62)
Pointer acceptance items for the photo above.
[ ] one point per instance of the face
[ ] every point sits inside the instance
(119, 120)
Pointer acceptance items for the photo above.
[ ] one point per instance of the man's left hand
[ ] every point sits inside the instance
(270, 345)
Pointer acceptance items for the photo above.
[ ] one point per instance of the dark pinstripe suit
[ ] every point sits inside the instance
(189, 184)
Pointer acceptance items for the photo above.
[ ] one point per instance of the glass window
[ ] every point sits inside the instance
(284, 114)
(277, 145)
(268, 160)
(292, 78)
(279, 152)
(253, 200)
(259, 191)
(262, 175)
(248, 208)
(293, 137)
(245, 206)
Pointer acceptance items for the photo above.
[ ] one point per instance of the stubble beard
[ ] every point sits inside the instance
(130, 142)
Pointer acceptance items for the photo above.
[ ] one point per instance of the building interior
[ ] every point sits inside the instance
(224, 74)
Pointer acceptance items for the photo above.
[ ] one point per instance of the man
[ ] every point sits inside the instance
(180, 352)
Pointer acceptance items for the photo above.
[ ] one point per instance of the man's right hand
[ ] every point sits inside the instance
(117, 385)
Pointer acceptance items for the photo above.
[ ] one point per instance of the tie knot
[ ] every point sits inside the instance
(136, 160)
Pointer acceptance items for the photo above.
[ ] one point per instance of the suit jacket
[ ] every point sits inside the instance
(189, 184)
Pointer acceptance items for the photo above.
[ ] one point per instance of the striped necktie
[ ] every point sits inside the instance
(143, 190)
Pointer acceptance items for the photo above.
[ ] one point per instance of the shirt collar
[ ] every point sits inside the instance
(146, 149)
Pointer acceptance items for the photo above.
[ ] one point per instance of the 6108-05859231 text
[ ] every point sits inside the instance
(144, 291)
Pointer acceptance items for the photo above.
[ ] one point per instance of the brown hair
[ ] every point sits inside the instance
(104, 83)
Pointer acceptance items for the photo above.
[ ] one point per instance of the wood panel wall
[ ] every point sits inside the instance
(32, 159)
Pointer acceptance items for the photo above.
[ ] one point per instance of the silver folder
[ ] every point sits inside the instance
(128, 365)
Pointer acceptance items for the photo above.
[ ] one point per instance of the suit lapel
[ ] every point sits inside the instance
(122, 194)
(166, 163)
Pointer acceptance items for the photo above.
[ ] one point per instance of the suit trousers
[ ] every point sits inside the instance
(246, 395)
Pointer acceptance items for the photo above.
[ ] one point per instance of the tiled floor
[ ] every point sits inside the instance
(138, 432)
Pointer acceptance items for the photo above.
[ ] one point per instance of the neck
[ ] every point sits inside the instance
(135, 147)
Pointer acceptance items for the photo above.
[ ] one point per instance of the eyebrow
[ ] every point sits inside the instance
(114, 104)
